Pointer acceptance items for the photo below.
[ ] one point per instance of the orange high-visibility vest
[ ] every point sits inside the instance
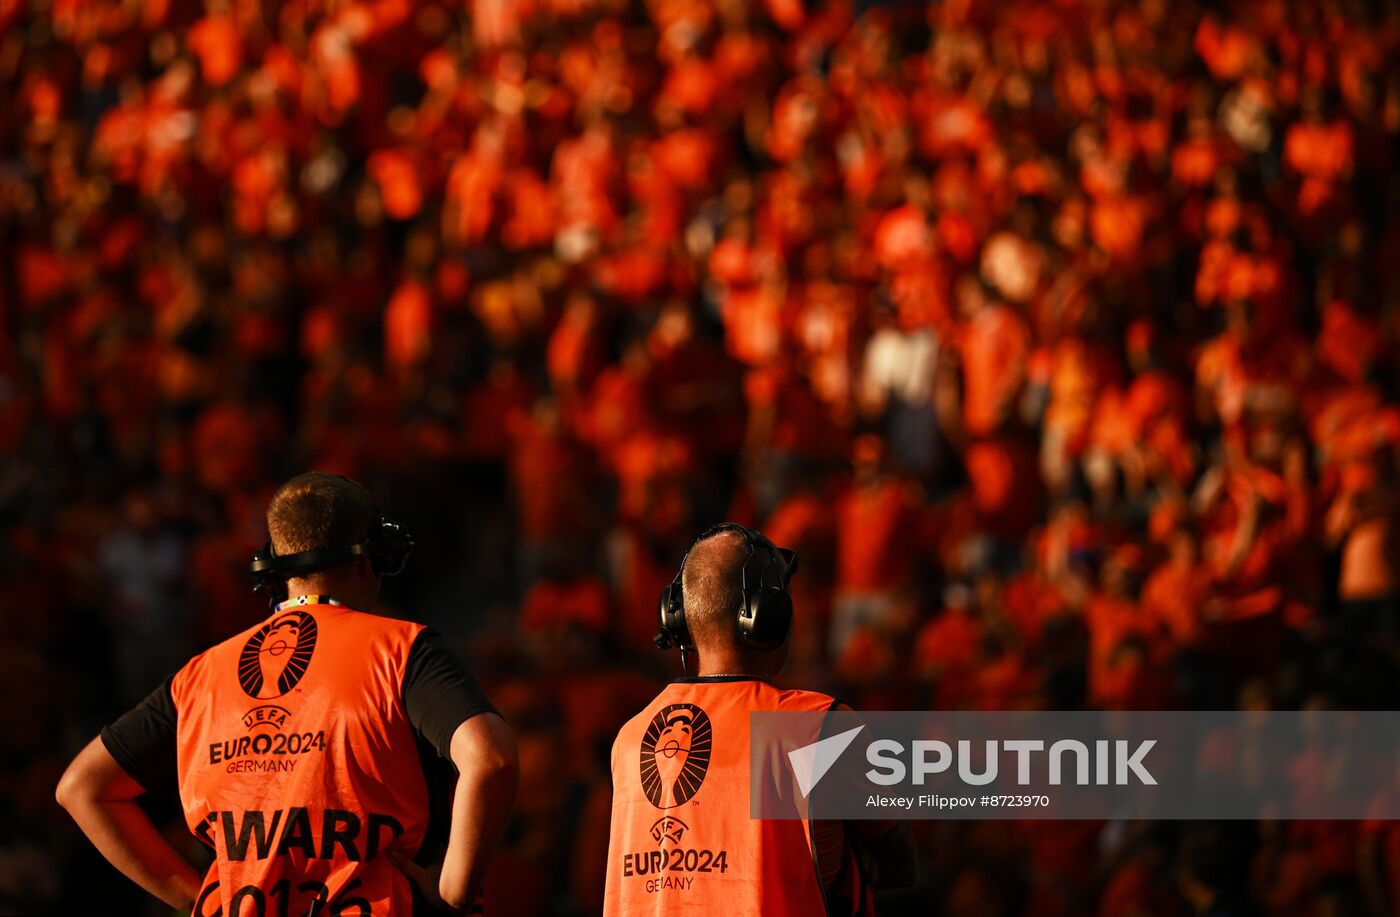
(299, 767)
(682, 841)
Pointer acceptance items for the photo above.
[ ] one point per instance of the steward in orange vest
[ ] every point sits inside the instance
(303, 747)
(682, 841)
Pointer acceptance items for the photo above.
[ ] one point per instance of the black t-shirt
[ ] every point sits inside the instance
(439, 695)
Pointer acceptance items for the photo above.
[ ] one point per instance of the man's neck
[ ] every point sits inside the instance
(730, 662)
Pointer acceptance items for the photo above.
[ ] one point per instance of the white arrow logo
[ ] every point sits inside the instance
(811, 762)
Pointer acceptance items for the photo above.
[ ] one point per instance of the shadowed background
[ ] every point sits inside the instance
(1059, 338)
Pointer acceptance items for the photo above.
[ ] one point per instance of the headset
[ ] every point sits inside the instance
(765, 612)
(387, 545)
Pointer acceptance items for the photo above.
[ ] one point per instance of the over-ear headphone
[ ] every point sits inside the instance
(388, 545)
(765, 611)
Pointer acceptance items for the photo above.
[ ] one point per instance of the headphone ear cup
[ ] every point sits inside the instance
(266, 581)
(389, 547)
(767, 619)
(275, 589)
(387, 560)
(670, 619)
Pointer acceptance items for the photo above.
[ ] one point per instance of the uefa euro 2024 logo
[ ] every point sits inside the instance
(675, 755)
(275, 658)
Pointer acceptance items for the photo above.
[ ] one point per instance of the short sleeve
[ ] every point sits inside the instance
(438, 691)
(142, 740)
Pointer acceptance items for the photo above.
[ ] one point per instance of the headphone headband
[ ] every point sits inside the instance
(752, 539)
(306, 561)
(388, 545)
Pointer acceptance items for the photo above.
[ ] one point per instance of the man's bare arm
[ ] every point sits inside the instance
(101, 797)
(483, 750)
(887, 853)
(884, 848)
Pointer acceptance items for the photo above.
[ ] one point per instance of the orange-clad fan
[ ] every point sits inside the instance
(310, 751)
(682, 839)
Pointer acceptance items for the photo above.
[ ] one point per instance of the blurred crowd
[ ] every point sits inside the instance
(1058, 337)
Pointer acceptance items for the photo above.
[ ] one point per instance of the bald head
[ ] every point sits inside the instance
(712, 588)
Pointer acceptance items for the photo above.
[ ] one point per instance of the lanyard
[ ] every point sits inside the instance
(306, 600)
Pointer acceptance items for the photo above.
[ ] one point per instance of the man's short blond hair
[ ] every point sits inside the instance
(318, 510)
